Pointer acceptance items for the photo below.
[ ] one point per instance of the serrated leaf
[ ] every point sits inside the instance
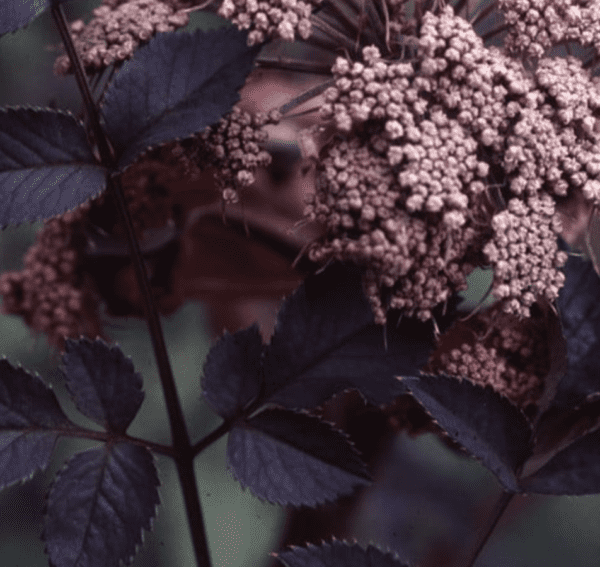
(99, 504)
(337, 554)
(559, 427)
(231, 371)
(30, 422)
(573, 471)
(102, 382)
(326, 341)
(175, 86)
(16, 14)
(485, 423)
(294, 458)
(579, 309)
(46, 165)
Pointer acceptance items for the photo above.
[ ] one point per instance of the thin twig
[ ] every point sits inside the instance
(501, 504)
(83, 433)
(304, 112)
(213, 436)
(485, 37)
(184, 457)
(386, 17)
(286, 64)
(459, 6)
(481, 15)
(338, 37)
(342, 17)
(198, 7)
(305, 96)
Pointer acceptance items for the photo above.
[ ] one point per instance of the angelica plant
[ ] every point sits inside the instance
(422, 153)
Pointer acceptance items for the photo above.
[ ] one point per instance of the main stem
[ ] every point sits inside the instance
(501, 505)
(184, 458)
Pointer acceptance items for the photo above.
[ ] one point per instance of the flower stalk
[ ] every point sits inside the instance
(184, 455)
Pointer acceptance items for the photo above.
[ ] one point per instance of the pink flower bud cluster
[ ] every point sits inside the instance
(116, 30)
(537, 25)
(485, 366)
(497, 349)
(448, 137)
(361, 201)
(233, 147)
(270, 19)
(49, 293)
(524, 253)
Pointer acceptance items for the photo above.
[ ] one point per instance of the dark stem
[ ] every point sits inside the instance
(288, 64)
(487, 36)
(213, 436)
(82, 432)
(180, 437)
(501, 504)
(306, 96)
(335, 37)
(106, 151)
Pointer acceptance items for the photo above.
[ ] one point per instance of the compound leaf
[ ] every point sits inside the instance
(573, 471)
(99, 504)
(102, 381)
(175, 86)
(579, 308)
(30, 421)
(326, 341)
(231, 371)
(485, 423)
(294, 458)
(336, 554)
(46, 165)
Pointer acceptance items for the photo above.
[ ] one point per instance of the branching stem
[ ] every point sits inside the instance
(104, 436)
(501, 505)
(184, 456)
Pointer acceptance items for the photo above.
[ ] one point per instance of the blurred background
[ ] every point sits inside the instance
(426, 498)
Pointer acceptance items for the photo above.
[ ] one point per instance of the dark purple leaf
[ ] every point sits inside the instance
(574, 471)
(99, 504)
(326, 341)
(231, 372)
(30, 422)
(337, 554)
(46, 165)
(16, 14)
(579, 308)
(174, 87)
(485, 423)
(559, 427)
(103, 383)
(557, 346)
(294, 458)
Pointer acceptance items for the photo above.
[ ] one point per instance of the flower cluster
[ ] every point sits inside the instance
(501, 350)
(50, 293)
(360, 201)
(537, 25)
(446, 140)
(267, 19)
(402, 195)
(233, 149)
(524, 253)
(117, 29)
(571, 102)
